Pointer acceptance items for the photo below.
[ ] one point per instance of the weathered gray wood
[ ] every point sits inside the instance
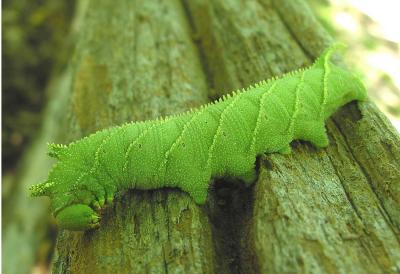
(334, 210)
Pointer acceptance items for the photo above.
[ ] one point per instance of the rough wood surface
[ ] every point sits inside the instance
(334, 210)
(314, 211)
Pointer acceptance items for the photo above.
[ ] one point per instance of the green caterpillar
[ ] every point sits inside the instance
(187, 150)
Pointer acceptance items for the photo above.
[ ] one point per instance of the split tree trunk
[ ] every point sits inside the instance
(333, 210)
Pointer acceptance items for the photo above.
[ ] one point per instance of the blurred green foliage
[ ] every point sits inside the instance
(322, 10)
(34, 47)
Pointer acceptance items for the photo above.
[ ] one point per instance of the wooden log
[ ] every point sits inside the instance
(333, 210)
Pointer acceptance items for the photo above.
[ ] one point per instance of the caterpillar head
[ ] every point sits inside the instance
(74, 205)
(72, 210)
(78, 217)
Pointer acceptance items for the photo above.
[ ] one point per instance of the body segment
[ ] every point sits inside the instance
(186, 151)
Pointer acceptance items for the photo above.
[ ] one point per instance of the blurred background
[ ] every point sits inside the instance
(35, 48)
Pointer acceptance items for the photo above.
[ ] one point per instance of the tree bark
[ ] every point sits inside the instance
(333, 210)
